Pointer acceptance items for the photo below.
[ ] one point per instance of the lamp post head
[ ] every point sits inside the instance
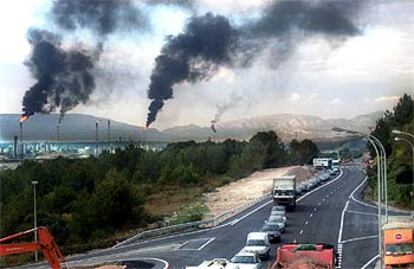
(34, 182)
(396, 131)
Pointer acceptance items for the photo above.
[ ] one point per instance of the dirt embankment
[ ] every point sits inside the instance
(249, 188)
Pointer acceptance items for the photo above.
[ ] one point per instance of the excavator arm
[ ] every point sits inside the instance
(46, 243)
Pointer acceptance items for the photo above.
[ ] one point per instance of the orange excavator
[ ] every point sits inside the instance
(46, 243)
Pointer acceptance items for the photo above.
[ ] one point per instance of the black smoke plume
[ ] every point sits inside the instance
(64, 77)
(101, 16)
(209, 42)
(206, 44)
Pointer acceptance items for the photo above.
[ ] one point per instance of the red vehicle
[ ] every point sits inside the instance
(46, 244)
(305, 256)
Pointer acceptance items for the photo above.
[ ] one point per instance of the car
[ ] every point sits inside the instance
(336, 170)
(247, 260)
(217, 263)
(258, 243)
(279, 213)
(273, 232)
(299, 189)
(332, 172)
(306, 186)
(279, 220)
(312, 183)
(278, 208)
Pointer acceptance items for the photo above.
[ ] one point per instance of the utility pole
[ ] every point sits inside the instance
(34, 183)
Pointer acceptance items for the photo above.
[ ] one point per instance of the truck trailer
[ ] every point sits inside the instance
(305, 256)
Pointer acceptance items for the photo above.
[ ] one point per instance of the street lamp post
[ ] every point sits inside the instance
(383, 155)
(379, 199)
(34, 183)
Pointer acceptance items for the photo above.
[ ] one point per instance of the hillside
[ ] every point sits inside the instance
(287, 127)
(79, 127)
(74, 127)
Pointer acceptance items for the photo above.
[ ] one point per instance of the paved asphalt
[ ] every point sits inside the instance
(333, 213)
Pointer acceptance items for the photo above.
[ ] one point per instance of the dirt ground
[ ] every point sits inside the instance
(247, 189)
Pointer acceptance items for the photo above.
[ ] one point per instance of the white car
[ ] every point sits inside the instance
(218, 263)
(279, 213)
(258, 243)
(246, 260)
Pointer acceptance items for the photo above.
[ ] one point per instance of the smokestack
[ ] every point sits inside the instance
(58, 134)
(21, 140)
(96, 138)
(15, 146)
(109, 136)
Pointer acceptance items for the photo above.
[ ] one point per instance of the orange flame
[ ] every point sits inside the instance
(23, 118)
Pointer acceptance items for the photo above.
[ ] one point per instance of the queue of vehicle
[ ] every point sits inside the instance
(258, 243)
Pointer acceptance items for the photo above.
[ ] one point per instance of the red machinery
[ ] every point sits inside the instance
(305, 256)
(46, 243)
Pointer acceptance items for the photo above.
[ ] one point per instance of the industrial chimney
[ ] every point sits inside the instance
(96, 138)
(15, 146)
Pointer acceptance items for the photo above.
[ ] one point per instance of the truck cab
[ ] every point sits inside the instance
(398, 244)
(284, 191)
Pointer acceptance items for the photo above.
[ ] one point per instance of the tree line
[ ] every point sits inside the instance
(83, 201)
(399, 154)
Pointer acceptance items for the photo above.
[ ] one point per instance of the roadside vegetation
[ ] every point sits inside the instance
(399, 154)
(89, 203)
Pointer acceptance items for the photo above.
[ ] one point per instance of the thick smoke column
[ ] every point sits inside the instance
(101, 16)
(209, 42)
(64, 78)
(194, 55)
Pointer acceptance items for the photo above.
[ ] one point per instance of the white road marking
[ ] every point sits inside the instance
(314, 209)
(369, 262)
(306, 222)
(206, 243)
(359, 238)
(363, 213)
(301, 232)
(311, 215)
(341, 227)
(319, 204)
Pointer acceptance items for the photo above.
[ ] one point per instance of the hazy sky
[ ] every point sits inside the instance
(362, 74)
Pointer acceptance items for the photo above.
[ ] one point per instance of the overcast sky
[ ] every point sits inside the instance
(362, 74)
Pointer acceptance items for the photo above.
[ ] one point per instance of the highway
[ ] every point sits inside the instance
(332, 213)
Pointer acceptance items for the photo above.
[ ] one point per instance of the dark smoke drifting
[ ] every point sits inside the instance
(209, 42)
(221, 109)
(101, 16)
(64, 78)
(194, 55)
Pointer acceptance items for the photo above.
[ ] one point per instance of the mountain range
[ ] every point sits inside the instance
(81, 127)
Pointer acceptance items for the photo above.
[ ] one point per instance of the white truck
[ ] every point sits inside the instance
(322, 163)
(284, 191)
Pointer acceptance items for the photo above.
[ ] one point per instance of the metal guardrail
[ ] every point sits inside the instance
(190, 226)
